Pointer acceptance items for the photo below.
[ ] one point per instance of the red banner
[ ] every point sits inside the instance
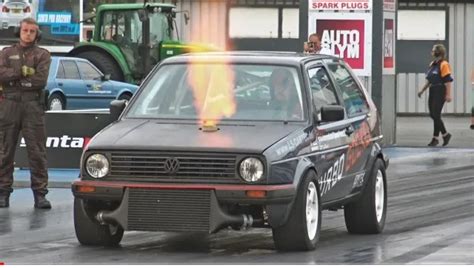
(389, 36)
(345, 39)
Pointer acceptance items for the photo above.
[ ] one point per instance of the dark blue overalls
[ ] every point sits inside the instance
(437, 96)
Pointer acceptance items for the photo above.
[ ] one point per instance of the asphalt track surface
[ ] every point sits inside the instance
(430, 221)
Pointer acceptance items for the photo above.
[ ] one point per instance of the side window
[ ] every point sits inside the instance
(70, 70)
(354, 99)
(322, 90)
(60, 74)
(88, 72)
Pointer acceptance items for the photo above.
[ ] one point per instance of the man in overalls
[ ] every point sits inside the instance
(24, 69)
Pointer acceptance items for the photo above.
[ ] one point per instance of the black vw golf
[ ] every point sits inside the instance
(239, 140)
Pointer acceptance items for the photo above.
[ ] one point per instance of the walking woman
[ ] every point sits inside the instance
(439, 80)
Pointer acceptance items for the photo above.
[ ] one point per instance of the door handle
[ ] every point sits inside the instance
(89, 85)
(349, 130)
(60, 84)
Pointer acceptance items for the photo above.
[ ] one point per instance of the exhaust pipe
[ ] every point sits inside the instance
(104, 218)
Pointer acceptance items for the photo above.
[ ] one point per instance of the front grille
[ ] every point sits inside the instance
(192, 167)
(169, 210)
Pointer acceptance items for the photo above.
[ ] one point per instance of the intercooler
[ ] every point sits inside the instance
(169, 210)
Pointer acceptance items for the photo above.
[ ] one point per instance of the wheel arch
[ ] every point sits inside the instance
(278, 214)
(124, 91)
(377, 153)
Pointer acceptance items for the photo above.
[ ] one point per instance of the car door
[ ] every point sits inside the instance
(99, 93)
(69, 81)
(357, 110)
(332, 138)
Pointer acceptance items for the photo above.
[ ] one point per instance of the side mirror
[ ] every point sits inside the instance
(105, 77)
(332, 113)
(116, 108)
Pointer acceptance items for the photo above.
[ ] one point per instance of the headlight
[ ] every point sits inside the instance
(97, 166)
(251, 169)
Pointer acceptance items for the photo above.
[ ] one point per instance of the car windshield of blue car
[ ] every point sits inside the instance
(218, 91)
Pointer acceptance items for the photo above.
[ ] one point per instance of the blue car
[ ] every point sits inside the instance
(75, 83)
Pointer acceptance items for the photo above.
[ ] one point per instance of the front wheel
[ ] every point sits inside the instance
(367, 215)
(89, 231)
(56, 102)
(301, 231)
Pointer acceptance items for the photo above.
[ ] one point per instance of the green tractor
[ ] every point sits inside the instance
(129, 39)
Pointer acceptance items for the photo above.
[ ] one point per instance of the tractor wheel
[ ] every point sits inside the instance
(105, 63)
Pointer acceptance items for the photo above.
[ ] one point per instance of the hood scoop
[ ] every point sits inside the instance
(209, 126)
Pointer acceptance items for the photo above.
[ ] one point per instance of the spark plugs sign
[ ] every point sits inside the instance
(340, 5)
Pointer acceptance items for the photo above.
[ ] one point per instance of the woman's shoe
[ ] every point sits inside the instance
(433, 142)
(472, 126)
(446, 139)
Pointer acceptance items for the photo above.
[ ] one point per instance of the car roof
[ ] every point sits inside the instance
(269, 57)
(67, 58)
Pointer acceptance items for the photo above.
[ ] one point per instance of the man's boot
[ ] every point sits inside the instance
(41, 202)
(4, 200)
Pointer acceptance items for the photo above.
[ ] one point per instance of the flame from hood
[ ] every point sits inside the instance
(213, 86)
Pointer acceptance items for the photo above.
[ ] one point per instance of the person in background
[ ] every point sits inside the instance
(438, 80)
(24, 69)
(313, 46)
(472, 99)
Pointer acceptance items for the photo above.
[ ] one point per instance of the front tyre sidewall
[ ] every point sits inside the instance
(297, 234)
(90, 232)
(361, 215)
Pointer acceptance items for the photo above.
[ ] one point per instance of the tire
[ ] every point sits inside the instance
(367, 214)
(89, 231)
(56, 102)
(297, 234)
(104, 63)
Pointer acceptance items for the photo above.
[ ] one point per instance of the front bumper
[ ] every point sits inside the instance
(225, 193)
(182, 207)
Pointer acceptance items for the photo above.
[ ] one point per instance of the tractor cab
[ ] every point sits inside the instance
(129, 39)
(138, 34)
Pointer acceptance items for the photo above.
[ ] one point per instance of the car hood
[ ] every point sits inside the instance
(135, 134)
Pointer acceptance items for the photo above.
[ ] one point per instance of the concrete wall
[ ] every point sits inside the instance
(461, 57)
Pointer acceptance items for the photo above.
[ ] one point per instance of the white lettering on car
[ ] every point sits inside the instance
(333, 175)
(290, 145)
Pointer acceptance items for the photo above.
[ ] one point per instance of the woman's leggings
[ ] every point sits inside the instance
(435, 104)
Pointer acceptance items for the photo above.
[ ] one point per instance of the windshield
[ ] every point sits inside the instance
(159, 28)
(215, 91)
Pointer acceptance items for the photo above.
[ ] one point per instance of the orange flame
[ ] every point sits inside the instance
(213, 86)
